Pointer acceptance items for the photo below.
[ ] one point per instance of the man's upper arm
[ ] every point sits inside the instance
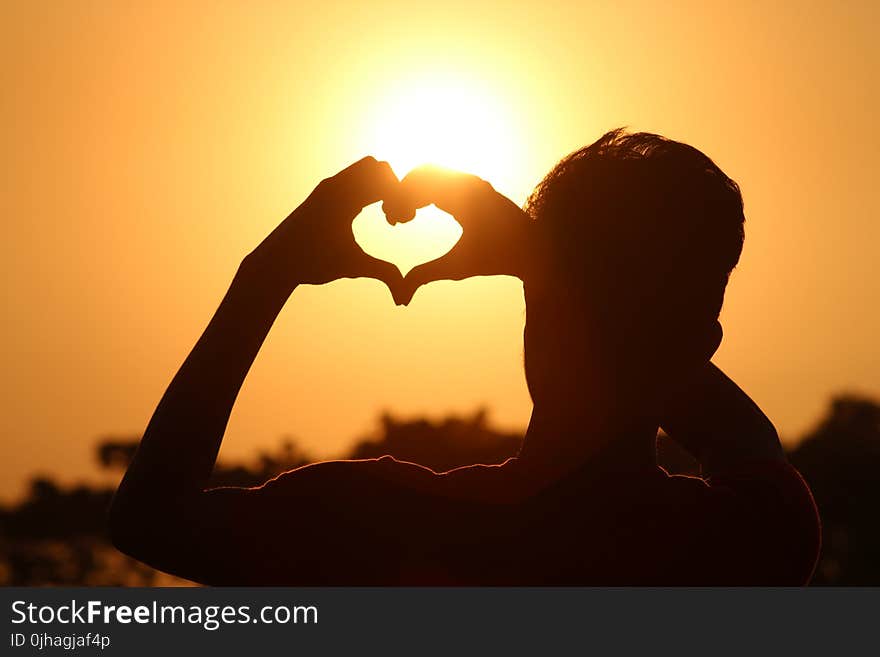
(756, 525)
(338, 522)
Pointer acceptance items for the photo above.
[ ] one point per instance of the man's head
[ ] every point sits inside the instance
(638, 235)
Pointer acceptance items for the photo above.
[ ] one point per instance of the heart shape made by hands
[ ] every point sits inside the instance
(430, 235)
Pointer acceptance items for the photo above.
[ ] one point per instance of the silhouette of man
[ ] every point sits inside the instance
(624, 250)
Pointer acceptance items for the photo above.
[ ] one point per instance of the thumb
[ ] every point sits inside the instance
(443, 268)
(386, 272)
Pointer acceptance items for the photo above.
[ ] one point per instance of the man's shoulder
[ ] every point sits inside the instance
(387, 474)
(346, 472)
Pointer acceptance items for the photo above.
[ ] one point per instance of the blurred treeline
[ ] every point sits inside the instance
(57, 535)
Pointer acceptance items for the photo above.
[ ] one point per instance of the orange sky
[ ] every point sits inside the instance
(147, 150)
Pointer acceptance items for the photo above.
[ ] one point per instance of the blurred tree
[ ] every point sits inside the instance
(441, 446)
(840, 459)
(57, 536)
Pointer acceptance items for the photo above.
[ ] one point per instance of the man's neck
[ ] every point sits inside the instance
(561, 441)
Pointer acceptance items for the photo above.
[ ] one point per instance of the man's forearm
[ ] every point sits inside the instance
(719, 423)
(181, 442)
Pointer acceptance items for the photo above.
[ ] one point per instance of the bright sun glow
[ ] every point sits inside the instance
(443, 120)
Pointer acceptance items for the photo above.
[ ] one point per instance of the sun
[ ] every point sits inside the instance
(442, 119)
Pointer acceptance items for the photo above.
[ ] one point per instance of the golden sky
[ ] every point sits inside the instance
(149, 146)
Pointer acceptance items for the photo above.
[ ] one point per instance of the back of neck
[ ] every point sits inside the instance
(561, 441)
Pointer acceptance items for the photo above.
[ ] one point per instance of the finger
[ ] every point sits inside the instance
(451, 191)
(371, 267)
(397, 210)
(446, 267)
(366, 181)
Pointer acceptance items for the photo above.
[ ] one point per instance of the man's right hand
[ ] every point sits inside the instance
(495, 238)
(315, 244)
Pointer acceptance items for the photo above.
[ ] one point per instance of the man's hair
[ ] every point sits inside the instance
(643, 224)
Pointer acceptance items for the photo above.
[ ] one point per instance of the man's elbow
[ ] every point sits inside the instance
(136, 528)
(125, 532)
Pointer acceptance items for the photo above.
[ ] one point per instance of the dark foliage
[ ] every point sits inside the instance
(441, 446)
(840, 459)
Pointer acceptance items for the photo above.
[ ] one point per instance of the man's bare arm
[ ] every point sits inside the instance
(162, 496)
(719, 424)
